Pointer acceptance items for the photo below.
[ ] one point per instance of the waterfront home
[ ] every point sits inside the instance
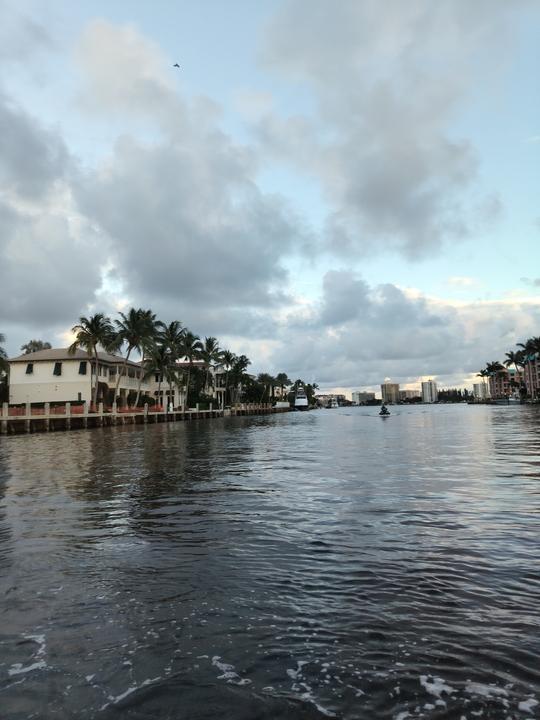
(56, 376)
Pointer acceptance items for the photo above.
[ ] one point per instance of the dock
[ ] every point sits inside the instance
(45, 417)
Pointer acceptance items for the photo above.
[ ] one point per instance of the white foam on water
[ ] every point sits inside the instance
(114, 699)
(402, 715)
(436, 686)
(18, 669)
(487, 691)
(528, 705)
(228, 672)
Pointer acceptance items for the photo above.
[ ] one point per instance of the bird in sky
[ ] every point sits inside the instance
(176, 65)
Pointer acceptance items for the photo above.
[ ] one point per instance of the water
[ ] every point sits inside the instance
(322, 564)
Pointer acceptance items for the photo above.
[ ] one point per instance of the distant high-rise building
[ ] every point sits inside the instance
(359, 398)
(429, 391)
(481, 391)
(390, 392)
(408, 394)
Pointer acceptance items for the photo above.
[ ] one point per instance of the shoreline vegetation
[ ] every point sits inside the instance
(171, 351)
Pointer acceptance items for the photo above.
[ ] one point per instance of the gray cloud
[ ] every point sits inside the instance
(32, 157)
(184, 214)
(21, 36)
(48, 265)
(388, 80)
(358, 335)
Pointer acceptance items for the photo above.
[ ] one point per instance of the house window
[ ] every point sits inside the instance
(30, 368)
(57, 368)
(156, 377)
(82, 367)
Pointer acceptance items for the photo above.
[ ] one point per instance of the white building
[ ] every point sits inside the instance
(56, 376)
(481, 391)
(429, 391)
(360, 398)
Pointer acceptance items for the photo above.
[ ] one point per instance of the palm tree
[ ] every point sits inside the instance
(3, 355)
(137, 329)
(282, 380)
(171, 337)
(239, 367)
(191, 349)
(34, 346)
(156, 362)
(89, 333)
(227, 360)
(210, 354)
(266, 381)
(513, 358)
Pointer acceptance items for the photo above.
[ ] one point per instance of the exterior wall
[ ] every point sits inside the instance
(390, 392)
(429, 391)
(43, 386)
(532, 377)
(499, 384)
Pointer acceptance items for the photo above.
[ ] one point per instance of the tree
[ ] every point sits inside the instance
(34, 346)
(171, 337)
(282, 381)
(157, 362)
(210, 353)
(3, 355)
(137, 330)
(514, 358)
(90, 333)
(191, 349)
(227, 359)
(266, 381)
(239, 367)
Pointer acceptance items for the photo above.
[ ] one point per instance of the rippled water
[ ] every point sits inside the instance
(329, 563)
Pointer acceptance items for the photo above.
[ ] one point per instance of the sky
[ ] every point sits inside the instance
(346, 192)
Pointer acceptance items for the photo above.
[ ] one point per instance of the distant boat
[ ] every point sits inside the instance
(300, 399)
(384, 412)
(512, 400)
(332, 403)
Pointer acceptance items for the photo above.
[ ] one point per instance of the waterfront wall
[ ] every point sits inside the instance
(45, 417)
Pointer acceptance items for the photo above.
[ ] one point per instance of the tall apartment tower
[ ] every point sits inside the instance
(429, 391)
(390, 392)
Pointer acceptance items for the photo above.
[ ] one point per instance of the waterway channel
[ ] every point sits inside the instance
(321, 564)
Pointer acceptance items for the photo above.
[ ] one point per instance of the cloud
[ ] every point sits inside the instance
(32, 158)
(49, 267)
(388, 80)
(189, 227)
(357, 335)
(534, 282)
(462, 281)
(21, 36)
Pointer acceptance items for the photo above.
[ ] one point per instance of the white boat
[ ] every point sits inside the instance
(332, 403)
(300, 399)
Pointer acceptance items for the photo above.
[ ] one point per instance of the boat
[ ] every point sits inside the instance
(384, 411)
(300, 399)
(332, 403)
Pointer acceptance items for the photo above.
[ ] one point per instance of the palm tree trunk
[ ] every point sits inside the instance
(97, 374)
(122, 373)
(139, 388)
(186, 406)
